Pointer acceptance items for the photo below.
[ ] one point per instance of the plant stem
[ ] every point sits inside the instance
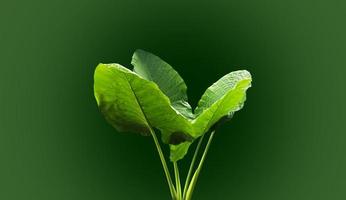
(187, 181)
(198, 170)
(164, 164)
(177, 180)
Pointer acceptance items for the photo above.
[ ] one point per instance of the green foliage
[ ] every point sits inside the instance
(153, 95)
(152, 68)
(217, 105)
(131, 103)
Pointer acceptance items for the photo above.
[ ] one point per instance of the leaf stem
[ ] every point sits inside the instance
(164, 164)
(187, 181)
(198, 170)
(177, 180)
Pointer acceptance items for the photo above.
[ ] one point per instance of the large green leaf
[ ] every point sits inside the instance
(153, 68)
(131, 103)
(219, 102)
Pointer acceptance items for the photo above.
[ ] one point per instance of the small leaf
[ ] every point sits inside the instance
(177, 152)
(153, 68)
(131, 103)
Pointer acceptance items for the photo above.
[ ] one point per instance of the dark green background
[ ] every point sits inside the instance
(287, 143)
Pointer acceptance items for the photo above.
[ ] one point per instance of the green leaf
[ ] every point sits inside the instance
(221, 100)
(218, 103)
(131, 103)
(177, 152)
(153, 68)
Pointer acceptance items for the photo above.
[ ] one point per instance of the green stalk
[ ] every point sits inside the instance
(198, 170)
(164, 164)
(187, 181)
(177, 180)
